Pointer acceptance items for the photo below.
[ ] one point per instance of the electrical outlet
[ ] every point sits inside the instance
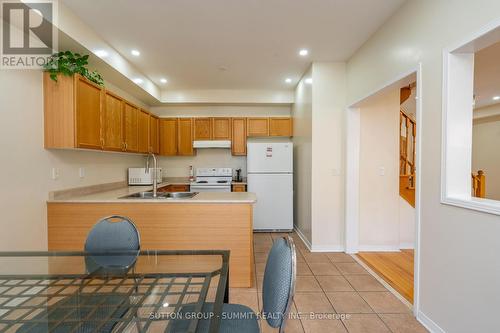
(55, 173)
(81, 172)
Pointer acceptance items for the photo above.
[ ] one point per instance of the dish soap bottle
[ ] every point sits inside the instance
(191, 174)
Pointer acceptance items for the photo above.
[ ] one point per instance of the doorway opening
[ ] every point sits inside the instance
(382, 183)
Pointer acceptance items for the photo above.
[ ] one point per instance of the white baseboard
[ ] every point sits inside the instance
(378, 248)
(322, 248)
(428, 323)
(407, 246)
(327, 248)
(303, 237)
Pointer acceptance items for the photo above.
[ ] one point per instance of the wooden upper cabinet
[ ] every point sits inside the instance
(112, 122)
(154, 138)
(239, 137)
(168, 136)
(258, 126)
(88, 105)
(202, 129)
(221, 128)
(131, 127)
(280, 126)
(185, 136)
(143, 131)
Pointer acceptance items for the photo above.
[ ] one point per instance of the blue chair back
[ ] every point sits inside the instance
(113, 233)
(279, 282)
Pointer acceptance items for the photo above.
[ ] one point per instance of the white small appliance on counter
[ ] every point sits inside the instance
(212, 180)
(270, 177)
(139, 176)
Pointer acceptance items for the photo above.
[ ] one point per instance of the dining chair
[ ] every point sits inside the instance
(277, 293)
(112, 234)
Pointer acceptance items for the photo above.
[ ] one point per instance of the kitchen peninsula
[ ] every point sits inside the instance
(209, 220)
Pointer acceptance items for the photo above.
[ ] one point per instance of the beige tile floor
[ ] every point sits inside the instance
(340, 293)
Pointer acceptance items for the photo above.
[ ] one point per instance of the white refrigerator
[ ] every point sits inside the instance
(270, 177)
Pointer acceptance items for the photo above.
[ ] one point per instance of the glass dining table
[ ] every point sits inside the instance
(146, 291)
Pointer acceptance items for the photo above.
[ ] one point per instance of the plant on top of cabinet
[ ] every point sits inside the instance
(68, 63)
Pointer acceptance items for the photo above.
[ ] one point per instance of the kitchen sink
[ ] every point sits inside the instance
(160, 195)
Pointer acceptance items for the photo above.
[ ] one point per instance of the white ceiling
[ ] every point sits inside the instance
(487, 75)
(232, 44)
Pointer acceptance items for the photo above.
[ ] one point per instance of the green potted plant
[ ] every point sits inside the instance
(69, 63)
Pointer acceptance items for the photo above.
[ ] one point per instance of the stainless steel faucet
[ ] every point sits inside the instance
(155, 169)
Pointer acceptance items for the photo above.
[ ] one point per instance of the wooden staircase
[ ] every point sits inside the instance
(407, 153)
(479, 184)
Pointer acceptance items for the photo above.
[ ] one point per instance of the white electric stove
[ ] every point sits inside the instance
(212, 180)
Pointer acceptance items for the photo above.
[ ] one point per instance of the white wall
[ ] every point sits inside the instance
(302, 156)
(379, 173)
(459, 247)
(486, 155)
(178, 166)
(406, 225)
(328, 107)
(26, 165)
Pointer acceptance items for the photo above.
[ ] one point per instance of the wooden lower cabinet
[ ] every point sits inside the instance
(174, 188)
(239, 188)
(165, 226)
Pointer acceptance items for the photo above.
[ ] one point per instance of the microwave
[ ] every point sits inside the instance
(139, 176)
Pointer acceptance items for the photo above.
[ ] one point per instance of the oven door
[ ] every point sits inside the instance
(210, 188)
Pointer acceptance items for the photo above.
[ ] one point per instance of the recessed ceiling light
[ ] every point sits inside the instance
(303, 52)
(163, 80)
(309, 80)
(135, 53)
(496, 98)
(138, 81)
(101, 53)
(288, 80)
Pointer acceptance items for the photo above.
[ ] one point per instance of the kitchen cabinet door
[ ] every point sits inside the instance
(154, 145)
(112, 122)
(239, 137)
(143, 131)
(202, 129)
(131, 127)
(280, 126)
(88, 106)
(221, 128)
(185, 137)
(257, 126)
(168, 136)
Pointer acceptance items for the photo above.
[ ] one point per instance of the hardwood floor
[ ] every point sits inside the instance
(396, 268)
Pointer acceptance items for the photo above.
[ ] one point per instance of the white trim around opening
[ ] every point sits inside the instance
(352, 176)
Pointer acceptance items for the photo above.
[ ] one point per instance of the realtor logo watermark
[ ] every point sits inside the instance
(29, 33)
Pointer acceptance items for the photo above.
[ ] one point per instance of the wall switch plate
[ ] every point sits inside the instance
(55, 173)
(335, 172)
(381, 171)
(81, 172)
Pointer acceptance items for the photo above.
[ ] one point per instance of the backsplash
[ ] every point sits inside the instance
(178, 166)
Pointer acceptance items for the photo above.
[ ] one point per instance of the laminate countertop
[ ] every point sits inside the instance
(113, 192)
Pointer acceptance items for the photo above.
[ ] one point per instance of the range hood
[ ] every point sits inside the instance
(212, 144)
